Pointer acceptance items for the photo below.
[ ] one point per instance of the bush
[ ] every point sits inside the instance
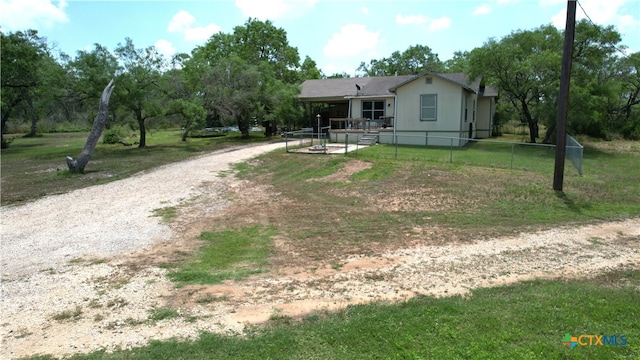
(631, 130)
(6, 142)
(113, 135)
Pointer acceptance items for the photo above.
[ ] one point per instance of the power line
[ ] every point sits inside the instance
(621, 51)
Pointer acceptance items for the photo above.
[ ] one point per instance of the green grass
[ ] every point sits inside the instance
(163, 314)
(167, 214)
(467, 199)
(522, 321)
(226, 255)
(36, 167)
(476, 195)
(68, 314)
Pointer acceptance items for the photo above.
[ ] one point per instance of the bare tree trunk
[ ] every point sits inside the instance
(185, 132)
(143, 129)
(99, 123)
(533, 132)
(5, 117)
(32, 110)
(243, 126)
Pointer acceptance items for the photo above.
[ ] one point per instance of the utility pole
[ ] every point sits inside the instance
(563, 98)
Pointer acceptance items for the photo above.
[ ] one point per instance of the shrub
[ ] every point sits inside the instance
(6, 141)
(113, 135)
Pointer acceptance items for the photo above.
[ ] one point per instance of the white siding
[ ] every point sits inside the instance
(449, 109)
(486, 109)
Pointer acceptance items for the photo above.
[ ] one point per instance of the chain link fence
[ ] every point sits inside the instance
(478, 152)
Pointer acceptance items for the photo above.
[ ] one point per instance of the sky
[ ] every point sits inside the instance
(337, 34)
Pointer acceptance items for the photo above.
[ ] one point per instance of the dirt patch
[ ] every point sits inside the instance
(345, 172)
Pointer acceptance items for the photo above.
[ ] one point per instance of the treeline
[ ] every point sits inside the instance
(233, 79)
(254, 74)
(525, 67)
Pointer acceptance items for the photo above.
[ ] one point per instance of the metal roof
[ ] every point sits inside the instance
(346, 87)
(341, 88)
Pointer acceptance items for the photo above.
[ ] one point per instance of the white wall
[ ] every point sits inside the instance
(449, 103)
(486, 109)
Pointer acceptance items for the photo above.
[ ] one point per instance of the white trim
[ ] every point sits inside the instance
(435, 107)
(370, 97)
(395, 117)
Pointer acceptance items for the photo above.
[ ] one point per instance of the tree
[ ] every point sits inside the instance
(459, 63)
(260, 42)
(593, 96)
(24, 54)
(342, 75)
(415, 60)
(138, 83)
(87, 73)
(99, 123)
(233, 90)
(525, 67)
(309, 70)
(250, 73)
(626, 111)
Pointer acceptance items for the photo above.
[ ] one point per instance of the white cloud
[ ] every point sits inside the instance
(410, 19)
(483, 9)
(440, 24)
(352, 39)
(201, 33)
(433, 24)
(365, 11)
(628, 21)
(31, 14)
(601, 12)
(165, 48)
(273, 9)
(182, 23)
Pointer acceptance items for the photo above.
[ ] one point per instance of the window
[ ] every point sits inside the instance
(373, 109)
(428, 107)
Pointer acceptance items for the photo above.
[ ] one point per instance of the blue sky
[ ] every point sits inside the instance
(338, 35)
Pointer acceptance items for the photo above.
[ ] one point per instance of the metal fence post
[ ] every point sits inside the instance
(346, 142)
(396, 143)
(512, 149)
(286, 142)
(451, 151)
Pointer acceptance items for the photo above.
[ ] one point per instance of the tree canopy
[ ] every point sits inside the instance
(27, 70)
(253, 74)
(415, 60)
(525, 67)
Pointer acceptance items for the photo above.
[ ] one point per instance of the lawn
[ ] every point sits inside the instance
(528, 320)
(474, 196)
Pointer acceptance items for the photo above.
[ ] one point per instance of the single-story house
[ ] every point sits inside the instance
(425, 109)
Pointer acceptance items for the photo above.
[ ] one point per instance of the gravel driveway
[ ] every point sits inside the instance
(108, 219)
(56, 300)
